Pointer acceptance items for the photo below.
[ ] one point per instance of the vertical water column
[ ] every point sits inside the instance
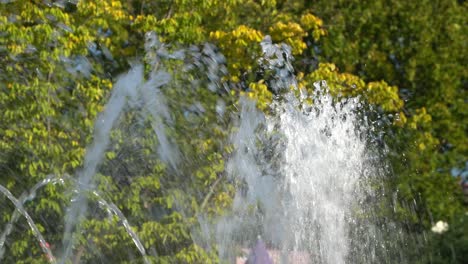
(323, 164)
(299, 168)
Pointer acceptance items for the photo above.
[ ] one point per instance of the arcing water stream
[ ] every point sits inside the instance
(111, 208)
(302, 171)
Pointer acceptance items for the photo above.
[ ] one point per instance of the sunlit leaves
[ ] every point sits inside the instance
(240, 46)
(314, 24)
(291, 34)
(260, 93)
(345, 84)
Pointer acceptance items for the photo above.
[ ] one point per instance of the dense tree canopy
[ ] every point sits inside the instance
(60, 61)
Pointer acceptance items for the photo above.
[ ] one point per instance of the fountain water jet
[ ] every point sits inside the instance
(35, 230)
(126, 86)
(27, 196)
(300, 170)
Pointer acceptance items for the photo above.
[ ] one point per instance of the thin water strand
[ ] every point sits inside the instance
(116, 211)
(155, 103)
(52, 179)
(26, 196)
(35, 230)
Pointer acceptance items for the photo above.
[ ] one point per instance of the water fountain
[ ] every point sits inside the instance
(301, 173)
(308, 177)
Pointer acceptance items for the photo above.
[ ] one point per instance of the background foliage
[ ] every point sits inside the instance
(59, 60)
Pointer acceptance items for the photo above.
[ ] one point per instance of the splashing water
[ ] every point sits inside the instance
(300, 170)
(303, 180)
(321, 172)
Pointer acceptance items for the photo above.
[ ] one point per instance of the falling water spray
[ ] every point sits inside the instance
(299, 171)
